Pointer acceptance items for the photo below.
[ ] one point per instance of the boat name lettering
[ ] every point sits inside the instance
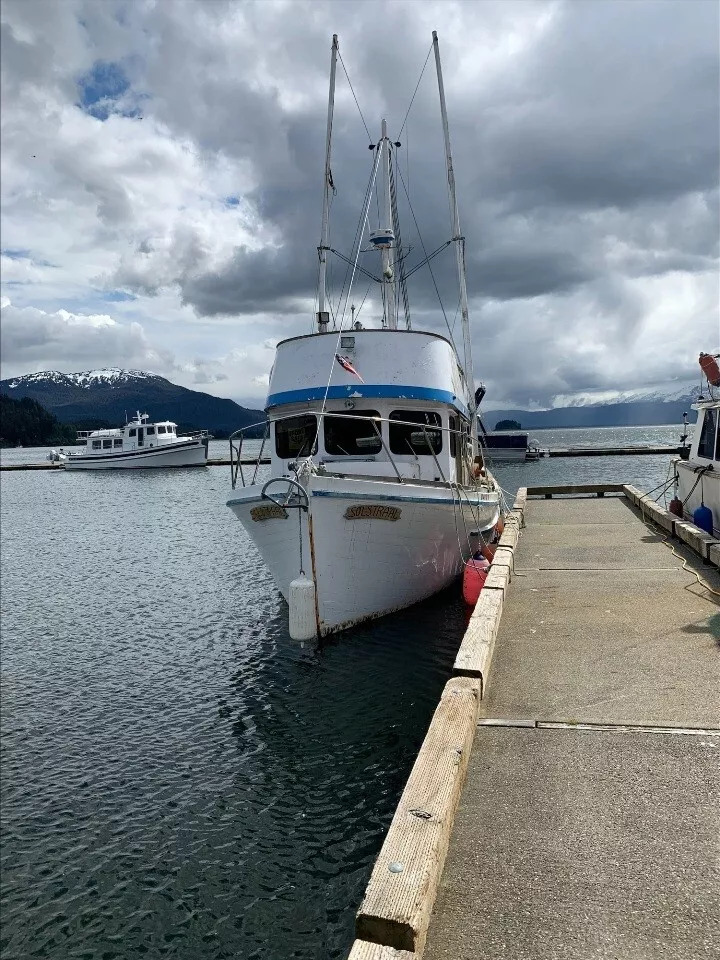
(372, 511)
(268, 511)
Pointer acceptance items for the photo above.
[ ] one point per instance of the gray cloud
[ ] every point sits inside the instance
(585, 139)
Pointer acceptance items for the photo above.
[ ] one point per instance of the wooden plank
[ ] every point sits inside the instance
(574, 489)
(659, 515)
(694, 537)
(503, 558)
(498, 578)
(364, 950)
(632, 493)
(510, 534)
(400, 895)
(475, 654)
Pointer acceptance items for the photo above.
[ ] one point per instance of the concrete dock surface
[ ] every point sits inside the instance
(589, 823)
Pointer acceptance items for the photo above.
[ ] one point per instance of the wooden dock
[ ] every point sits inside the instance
(565, 801)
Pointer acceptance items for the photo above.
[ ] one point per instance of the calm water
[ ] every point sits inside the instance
(179, 778)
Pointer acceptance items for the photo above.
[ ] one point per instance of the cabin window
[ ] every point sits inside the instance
(107, 444)
(118, 442)
(171, 428)
(706, 444)
(96, 444)
(407, 438)
(161, 429)
(453, 444)
(296, 436)
(133, 432)
(346, 436)
(150, 431)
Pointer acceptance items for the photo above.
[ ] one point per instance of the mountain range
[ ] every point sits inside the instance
(113, 395)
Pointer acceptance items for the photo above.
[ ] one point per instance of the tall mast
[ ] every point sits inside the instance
(323, 315)
(457, 237)
(388, 272)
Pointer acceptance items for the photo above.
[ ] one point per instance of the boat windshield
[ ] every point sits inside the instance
(294, 436)
(344, 436)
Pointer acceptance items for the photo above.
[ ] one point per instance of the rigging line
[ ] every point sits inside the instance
(422, 244)
(415, 93)
(347, 77)
(357, 312)
(361, 228)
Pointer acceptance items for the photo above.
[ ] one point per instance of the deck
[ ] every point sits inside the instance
(587, 825)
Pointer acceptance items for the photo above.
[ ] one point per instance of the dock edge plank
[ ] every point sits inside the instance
(364, 950)
(396, 908)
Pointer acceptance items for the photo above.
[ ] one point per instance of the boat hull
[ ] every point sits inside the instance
(371, 547)
(190, 454)
(706, 490)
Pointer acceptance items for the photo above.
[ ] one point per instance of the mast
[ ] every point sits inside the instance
(457, 237)
(323, 316)
(388, 273)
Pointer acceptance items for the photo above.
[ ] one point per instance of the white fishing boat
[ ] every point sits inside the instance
(697, 478)
(377, 492)
(139, 444)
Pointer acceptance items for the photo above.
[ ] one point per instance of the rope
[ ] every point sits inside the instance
(417, 227)
(412, 101)
(353, 93)
(666, 541)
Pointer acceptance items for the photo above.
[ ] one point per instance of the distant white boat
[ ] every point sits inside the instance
(139, 444)
(509, 446)
(697, 479)
(378, 494)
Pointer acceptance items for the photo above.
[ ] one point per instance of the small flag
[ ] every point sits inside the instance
(346, 365)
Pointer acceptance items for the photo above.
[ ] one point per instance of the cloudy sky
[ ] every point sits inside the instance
(162, 177)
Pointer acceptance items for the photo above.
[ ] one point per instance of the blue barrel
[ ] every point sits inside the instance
(703, 518)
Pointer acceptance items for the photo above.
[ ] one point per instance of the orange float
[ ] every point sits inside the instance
(709, 366)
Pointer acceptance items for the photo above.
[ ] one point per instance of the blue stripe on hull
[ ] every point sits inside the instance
(358, 390)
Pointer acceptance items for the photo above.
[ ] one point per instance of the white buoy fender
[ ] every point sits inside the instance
(301, 600)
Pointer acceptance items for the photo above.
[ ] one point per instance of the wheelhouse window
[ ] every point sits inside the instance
(295, 436)
(132, 432)
(96, 444)
(107, 444)
(171, 428)
(422, 439)
(151, 431)
(706, 444)
(161, 429)
(349, 436)
(117, 442)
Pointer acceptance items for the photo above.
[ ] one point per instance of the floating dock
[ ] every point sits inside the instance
(565, 800)
(554, 452)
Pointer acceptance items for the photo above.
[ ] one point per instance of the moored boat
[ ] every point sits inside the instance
(377, 493)
(139, 444)
(697, 477)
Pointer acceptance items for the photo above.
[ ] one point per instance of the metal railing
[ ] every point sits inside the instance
(236, 442)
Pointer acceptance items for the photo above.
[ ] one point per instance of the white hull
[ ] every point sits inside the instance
(399, 545)
(706, 491)
(192, 453)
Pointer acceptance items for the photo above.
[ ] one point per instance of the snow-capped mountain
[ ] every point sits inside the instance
(110, 376)
(112, 394)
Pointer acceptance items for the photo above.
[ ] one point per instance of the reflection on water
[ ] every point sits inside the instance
(179, 778)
